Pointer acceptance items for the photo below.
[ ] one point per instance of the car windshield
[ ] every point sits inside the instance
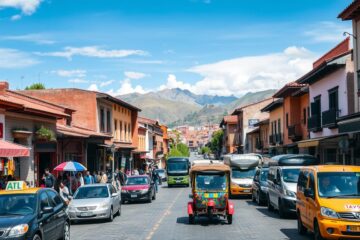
(290, 175)
(339, 184)
(177, 167)
(17, 204)
(92, 192)
(137, 181)
(237, 173)
(211, 182)
(264, 175)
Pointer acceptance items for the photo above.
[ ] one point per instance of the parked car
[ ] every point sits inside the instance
(260, 186)
(32, 213)
(162, 174)
(138, 188)
(282, 181)
(95, 201)
(328, 201)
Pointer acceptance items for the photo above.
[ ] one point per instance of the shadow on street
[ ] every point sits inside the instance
(293, 234)
(201, 221)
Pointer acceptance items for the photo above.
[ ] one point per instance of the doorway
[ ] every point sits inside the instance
(45, 161)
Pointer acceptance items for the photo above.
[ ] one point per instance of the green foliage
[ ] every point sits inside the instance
(205, 150)
(174, 153)
(35, 86)
(183, 149)
(45, 133)
(216, 141)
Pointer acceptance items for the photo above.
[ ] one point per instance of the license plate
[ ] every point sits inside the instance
(86, 214)
(353, 228)
(133, 195)
(246, 191)
(178, 181)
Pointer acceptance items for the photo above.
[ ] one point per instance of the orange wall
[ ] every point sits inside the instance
(304, 104)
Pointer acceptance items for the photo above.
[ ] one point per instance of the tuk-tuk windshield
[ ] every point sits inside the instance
(211, 182)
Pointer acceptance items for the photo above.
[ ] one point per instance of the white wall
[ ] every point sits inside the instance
(321, 87)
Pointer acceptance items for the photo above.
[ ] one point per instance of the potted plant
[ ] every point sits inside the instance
(21, 133)
(45, 134)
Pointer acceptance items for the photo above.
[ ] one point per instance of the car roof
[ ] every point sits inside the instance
(334, 168)
(24, 191)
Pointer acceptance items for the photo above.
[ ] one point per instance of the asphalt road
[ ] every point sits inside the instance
(166, 218)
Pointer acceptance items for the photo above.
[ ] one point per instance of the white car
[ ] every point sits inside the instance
(95, 201)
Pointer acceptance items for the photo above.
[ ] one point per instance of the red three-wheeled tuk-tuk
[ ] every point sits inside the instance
(210, 181)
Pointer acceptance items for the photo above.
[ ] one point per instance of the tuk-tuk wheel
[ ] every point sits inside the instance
(229, 219)
(191, 219)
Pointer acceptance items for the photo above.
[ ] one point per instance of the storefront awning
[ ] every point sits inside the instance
(309, 142)
(8, 149)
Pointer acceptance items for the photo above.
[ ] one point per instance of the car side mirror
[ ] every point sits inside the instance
(114, 195)
(46, 210)
(308, 193)
(191, 196)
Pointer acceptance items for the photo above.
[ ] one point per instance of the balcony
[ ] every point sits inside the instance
(329, 118)
(294, 132)
(314, 123)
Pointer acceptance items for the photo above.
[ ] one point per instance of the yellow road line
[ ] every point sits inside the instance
(166, 213)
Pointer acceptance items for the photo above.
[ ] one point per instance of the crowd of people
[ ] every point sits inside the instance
(67, 183)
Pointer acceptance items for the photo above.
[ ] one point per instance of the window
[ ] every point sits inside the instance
(334, 98)
(311, 182)
(115, 129)
(279, 126)
(302, 181)
(44, 201)
(108, 121)
(129, 130)
(304, 116)
(102, 120)
(54, 199)
(316, 106)
(287, 120)
(121, 133)
(125, 131)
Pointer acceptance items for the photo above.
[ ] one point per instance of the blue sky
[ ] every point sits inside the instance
(219, 47)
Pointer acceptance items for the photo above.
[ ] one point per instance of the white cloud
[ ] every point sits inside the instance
(172, 82)
(77, 73)
(252, 73)
(134, 75)
(92, 51)
(27, 7)
(127, 88)
(12, 58)
(106, 83)
(15, 17)
(77, 80)
(93, 87)
(328, 31)
(33, 37)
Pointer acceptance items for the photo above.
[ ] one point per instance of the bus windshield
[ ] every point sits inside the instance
(177, 167)
(237, 173)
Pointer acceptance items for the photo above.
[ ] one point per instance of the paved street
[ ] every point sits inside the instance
(166, 218)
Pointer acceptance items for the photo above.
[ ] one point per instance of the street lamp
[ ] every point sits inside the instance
(113, 149)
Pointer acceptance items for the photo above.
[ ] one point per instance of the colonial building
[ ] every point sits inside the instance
(229, 126)
(275, 109)
(331, 86)
(247, 117)
(106, 123)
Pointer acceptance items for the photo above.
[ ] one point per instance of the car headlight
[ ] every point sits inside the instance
(144, 190)
(263, 188)
(327, 212)
(290, 193)
(104, 206)
(18, 230)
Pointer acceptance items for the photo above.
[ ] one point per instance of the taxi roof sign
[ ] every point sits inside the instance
(16, 185)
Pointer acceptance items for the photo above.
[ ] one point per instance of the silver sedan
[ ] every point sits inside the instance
(95, 201)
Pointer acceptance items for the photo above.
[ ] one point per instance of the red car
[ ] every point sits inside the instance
(138, 188)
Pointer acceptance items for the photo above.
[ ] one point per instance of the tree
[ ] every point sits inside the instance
(183, 148)
(35, 86)
(175, 153)
(205, 150)
(217, 141)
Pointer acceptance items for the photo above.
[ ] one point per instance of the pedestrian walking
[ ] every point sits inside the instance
(50, 180)
(80, 179)
(104, 178)
(88, 179)
(155, 178)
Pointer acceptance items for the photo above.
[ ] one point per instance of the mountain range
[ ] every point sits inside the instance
(178, 107)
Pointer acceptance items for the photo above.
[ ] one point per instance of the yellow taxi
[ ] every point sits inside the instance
(32, 213)
(328, 201)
